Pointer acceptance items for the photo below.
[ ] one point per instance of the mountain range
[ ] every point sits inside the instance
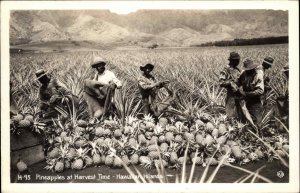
(144, 27)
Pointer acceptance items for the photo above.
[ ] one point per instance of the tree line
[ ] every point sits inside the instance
(246, 42)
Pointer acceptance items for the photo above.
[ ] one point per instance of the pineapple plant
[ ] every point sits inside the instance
(77, 164)
(95, 152)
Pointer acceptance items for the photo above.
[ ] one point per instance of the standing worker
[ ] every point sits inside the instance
(99, 91)
(228, 79)
(267, 64)
(148, 88)
(251, 89)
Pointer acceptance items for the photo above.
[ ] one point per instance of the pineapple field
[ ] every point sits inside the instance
(193, 134)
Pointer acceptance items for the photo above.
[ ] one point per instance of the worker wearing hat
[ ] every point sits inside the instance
(148, 88)
(100, 90)
(251, 89)
(51, 94)
(266, 64)
(228, 79)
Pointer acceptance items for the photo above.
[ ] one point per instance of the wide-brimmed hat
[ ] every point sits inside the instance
(285, 68)
(40, 73)
(147, 66)
(234, 56)
(98, 61)
(268, 60)
(249, 64)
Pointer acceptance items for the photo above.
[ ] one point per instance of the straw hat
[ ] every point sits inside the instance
(98, 61)
(234, 56)
(249, 64)
(40, 73)
(268, 60)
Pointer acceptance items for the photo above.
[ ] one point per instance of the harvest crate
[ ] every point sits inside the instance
(28, 146)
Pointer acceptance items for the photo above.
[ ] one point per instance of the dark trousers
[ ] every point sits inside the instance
(255, 108)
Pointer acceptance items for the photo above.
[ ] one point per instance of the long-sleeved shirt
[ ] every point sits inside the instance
(228, 76)
(253, 85)
(106, 77)
(147, 86)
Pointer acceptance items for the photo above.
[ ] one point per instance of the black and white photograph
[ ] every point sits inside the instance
(150, 95)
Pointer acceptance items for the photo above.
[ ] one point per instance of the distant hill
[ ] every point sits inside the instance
(163, 27)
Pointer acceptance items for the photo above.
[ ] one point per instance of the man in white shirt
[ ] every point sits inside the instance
(99, 92)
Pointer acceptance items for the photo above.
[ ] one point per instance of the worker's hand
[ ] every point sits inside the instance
(53, 99)
(242, 92)
(234, 87)
(112, 85)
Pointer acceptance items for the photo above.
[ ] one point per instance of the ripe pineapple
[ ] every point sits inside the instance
(221, 140)
(236, 151)
(285, 147)
(24, 123)
(59, 166)
(152, 148)
(29, 118)
(142, 139)
(117, 162)
(212, 161)
(97, 159)
(128, 130)
(280, 153)
(259, 153)
(173, 129)
(107, 132)
(164, 147)
(181, 160)
(153, 140)
(208, 140)
(134, 159)
(148, 135)
(154, 154)
(132, 142)
(215, 133)
(209, 126)
(197, 160)
(80, 143)
(125, 160)
(188, 136)
(109, 160)
(117, 133)
(222, 129)
(71, 153)
(173, 157)
(79, 129)
(163, 122)
(178, 139)
(63, 134)
(169, 136)
(22, 166)
(100, 141)
(199, 123)
(99, 132)
(77, 164)
(199, 139)
(17, 118)
(103, 158)
(252, 156)
(161, 139)
(149, 125)
(54, 153)
(82, 123)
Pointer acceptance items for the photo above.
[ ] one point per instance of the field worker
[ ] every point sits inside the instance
(283, 101)
(267, 64)
(228, 79)
(252, 89)
(53, 94)
(149, 87)
(99, 91)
